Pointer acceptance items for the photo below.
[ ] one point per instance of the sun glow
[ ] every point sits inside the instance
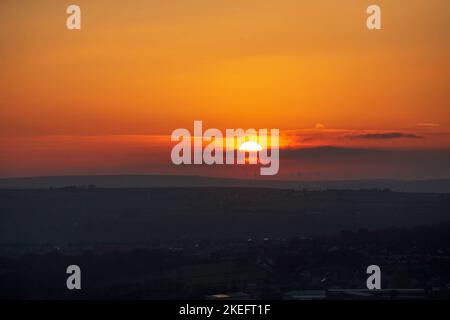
(250, 146)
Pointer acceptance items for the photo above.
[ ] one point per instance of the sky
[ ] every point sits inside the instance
(350, 103)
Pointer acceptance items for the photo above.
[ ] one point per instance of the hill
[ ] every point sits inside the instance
(161, 181)
(74, 215)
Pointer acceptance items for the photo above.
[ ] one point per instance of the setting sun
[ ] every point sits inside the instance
(250, 146)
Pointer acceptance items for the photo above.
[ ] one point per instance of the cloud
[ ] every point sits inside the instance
(326, 152)
(428, 124)
(368, 155)
(343, 163)
(320, 126)
(384, 136)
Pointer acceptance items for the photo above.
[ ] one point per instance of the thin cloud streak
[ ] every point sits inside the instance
(385, 136)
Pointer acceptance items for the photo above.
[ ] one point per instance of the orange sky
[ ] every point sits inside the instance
(139, 69)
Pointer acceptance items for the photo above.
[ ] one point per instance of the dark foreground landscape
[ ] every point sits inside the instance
(249, 243)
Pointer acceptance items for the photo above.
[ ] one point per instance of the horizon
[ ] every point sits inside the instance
(436, 186)
(250, 179)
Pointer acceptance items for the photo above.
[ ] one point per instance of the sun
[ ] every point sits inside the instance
(250, 146)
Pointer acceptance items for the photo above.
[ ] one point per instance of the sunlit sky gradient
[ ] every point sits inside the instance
(105, 99)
